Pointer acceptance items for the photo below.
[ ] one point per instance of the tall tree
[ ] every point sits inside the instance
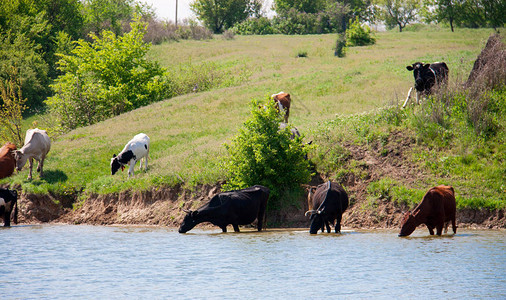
(398, 12)
(304, 6)
(218, 15)
(447, 11)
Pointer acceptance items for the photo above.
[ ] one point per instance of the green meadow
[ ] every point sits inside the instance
(188, 132)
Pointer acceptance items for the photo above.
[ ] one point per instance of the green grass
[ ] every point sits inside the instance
(187, 132)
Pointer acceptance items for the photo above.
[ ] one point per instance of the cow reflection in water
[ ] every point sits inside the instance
(327, 202)
(436, 210)
(239, 207)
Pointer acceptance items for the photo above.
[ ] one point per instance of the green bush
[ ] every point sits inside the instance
(263, 154)
(260, 25)
(105, 77)
(359, 35)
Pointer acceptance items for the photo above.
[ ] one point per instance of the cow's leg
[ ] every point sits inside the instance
(236, 227)
(439, 228)
(338, 223)
(407, 98)
(417, 97)
(7, 217)
(223, 228)
(30, 161)
(146, 161)
(431, 229)
(446, 227)
(454, 227)
(40, 167)
(131, 168)
(327, 225)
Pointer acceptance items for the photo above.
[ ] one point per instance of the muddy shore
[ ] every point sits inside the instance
(163, 207)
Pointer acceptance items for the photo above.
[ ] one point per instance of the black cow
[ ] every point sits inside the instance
(426, 76)
(239, 207)
(8, 201)
(328, 203)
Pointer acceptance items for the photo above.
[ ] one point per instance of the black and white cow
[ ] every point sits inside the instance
(240, 207)
(134, 150)
(426, 76)
(8, 202)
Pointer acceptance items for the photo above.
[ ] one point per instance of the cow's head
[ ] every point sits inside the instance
(189, 221)
(422, 74)
(408, 224)
(20, 158)
(318, 218)
(116, 165)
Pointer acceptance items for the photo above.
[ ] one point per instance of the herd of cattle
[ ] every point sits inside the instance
(326, 202)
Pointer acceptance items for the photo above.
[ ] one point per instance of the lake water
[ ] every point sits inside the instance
(97, 262)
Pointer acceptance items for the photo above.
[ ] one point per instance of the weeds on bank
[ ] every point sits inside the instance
(458, 138)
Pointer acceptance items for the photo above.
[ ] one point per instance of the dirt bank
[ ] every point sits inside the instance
(163, 207)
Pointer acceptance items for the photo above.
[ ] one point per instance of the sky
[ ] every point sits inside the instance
(166, 9)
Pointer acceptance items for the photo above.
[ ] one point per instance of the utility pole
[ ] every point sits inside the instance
(176, 13)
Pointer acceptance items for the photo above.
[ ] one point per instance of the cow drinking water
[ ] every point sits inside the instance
(136, 149)
(426, 76)
(37, 145)
(240, 207)
(327, 202)
(8, 204)
(436, 210)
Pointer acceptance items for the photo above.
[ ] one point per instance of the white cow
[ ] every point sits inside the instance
(134, 150)
(37, 145)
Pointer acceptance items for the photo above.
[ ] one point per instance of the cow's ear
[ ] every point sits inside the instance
(114, 155)
(410, 68)
(426, 65)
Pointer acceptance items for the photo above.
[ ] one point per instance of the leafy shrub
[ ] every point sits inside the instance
(228, 34)
(263, 154)
(103, 78)
(260, 25)
(359, 35)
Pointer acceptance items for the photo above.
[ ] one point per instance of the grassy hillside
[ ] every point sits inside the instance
(187, 132)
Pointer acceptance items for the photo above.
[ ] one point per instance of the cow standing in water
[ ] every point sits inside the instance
(283, 102)
(426, 76)
(7, 160)
(8, 204)
(437, 209)
(240, 207)
(136, 149)
(327, 202)
(37, 145)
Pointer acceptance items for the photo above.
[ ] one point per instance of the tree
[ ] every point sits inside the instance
(21, 46)
(218, 15)
(398, 12)
(11, 110)
(447, 10)
(303, 6)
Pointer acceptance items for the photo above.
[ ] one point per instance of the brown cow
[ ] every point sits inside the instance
(283, 101)
(7, 161)
(436, 210)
